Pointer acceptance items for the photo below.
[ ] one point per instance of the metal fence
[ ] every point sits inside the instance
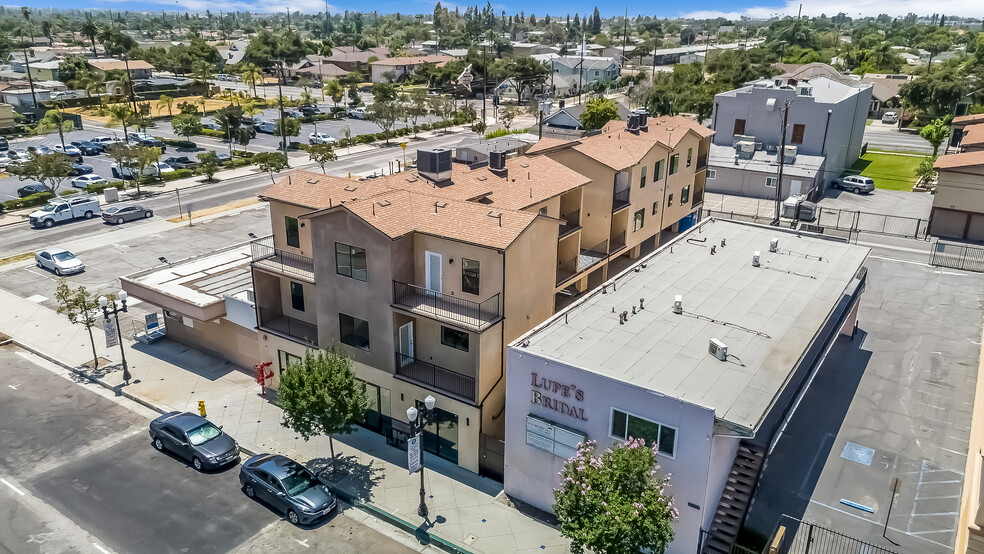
(957, 256)
(866, 222)
(704, 548)
(794, 536)
(737, 216)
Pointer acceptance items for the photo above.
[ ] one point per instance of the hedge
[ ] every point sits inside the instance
(178, 174)
(212, 133)
(68, 192)
(38, 199)
(100, 187)
(237, 162)
(177, 143)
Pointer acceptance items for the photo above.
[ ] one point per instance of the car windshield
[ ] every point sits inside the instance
(111, 210)
(63, 256)
(298, 482)
(48, 208)
(203, 433)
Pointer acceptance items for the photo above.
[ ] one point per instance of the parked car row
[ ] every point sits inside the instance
(284, 484)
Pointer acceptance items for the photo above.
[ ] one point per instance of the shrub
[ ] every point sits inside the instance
(68, 192)
(97, 188)
(177, 143)
(178, 174)
(238, 162)
(213, 133)
(38, 199)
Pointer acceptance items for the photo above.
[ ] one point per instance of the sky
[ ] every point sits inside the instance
(707, 8)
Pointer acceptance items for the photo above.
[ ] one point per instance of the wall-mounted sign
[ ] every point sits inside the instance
(556, 396)
(546, 436)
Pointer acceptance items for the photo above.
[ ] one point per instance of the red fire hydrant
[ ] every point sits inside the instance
(262, 374)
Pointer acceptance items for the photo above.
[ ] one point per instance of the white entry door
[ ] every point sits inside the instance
(433, 271)
(406, 344)
(795, 187)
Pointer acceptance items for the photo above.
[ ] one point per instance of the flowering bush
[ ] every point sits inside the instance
(615, 501)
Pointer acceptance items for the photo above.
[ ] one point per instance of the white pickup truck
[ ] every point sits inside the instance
(65, 209)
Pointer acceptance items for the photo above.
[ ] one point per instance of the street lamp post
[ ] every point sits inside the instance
(104, 304)
(418, 420)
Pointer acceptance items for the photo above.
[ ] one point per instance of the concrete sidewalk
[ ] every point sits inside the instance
(465, 510)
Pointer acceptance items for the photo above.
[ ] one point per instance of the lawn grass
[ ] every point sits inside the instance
(889, 171)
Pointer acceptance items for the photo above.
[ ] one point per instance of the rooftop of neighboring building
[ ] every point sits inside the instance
(109, 64)
(954, 161)
(973, 135)
(810, 71)
(825, 89)
(317, 191)
(724, 157)
(200, 281)
(503, 144)
(767, 316)
(968, 119)
(438, 59)
(885, 87)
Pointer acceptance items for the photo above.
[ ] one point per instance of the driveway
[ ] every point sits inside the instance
(882, 136)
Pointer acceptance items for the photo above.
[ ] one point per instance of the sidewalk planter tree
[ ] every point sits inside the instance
(125, 156)
(936, 132)
(270, 163)
(50, 169)
(208, 166)
(415, 105)
(615, 501)
(286, 127)
(320, 396)
(81, 308)
(186, 124)
(384, 113)
(321, 154)
(146, 157)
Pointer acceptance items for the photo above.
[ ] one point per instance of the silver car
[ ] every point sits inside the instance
(855, 183)
(122, 213)
(287, 486)
(59, 261)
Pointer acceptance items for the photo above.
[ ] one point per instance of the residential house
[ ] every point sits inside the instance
(474, 151)
(22, 97)
(569, 117)
(139, 69)
(576, 71)
(34, 56)
(350, 58)
(45, 71)
(972, 138)
(826, 117)
(322, 72)
(234, 52)
(400, 69)
(961, 124)
(885, 92)
(958, 205)
(6, 116)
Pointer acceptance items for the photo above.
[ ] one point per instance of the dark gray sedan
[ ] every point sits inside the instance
(126, 212)
(287, 486)
(194, 438)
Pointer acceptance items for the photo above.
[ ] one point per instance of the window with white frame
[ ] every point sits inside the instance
(712, 174)
(771, 182)
(625, 425)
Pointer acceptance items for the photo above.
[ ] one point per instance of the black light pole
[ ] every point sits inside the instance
(104, 304)
(418, 420)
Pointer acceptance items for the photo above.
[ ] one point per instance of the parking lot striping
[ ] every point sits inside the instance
(13, 488)
(936, 514)
(303, 543)
(890, 528)
(101, 549)
(917, 497)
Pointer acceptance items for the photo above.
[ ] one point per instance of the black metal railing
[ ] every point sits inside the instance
(436, 377)
(265, 255)
(572, 222)
(954, 255)
(477, 315)
(793, 536)
(620, 199)
(271, 320)
(701, 162)
(698, 198)
(617, 242)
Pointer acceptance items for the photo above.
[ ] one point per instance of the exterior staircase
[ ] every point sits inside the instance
(735, 497)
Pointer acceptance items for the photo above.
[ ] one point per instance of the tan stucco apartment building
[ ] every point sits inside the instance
(424, 276)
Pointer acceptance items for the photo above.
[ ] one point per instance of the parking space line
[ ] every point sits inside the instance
(936, 514)
(13, 488)
(904, 532)
(101, 549)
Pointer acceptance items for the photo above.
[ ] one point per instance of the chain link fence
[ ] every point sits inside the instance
(954, 255)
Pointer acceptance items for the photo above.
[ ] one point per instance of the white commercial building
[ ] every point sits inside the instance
(712, 380)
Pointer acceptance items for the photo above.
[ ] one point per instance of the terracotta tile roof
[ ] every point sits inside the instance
(117, 64)
(415, 60)
(318, 192)
(550, 144)
(620, 149)
(973, 135)
(975, 118)
(952, 161)
(399, 212)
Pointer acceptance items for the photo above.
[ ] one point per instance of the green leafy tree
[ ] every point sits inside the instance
(597, 112)
(319, 395)
(615, 501)
(81, 308)
(347, 133)
(936, 93)
(271, 162)
(938, 42)
(208, 165)
(187, 124)
(230, 119)
(321, 154)
(125, 156)
(415, 107)
(935, 133)
(353, 94)
(51, 170)
(334, 90)
(287, 127)
(71, 67)
(925, 172)
(507, 115)
(384, 113)
(250, 74)
(146, 157)
(383, 92)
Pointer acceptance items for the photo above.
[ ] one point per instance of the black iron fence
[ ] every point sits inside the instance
(867, 222)
(793, 536)
(957, 256)
(435, 376)
(303, 331)
(281, 261)
(478, 315)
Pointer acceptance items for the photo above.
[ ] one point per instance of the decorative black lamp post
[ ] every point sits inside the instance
(418, 420)
(114, 311)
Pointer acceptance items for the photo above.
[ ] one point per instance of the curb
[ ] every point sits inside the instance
(251, 450)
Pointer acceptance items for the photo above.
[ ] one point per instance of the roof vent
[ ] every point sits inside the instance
(774, 245)
(755, 259)
(434, 164)
(678, 305)
(497, 162)
(633, 124)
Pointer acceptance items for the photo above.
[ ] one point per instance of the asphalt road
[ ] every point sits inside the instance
(881, 136)
(78, 474)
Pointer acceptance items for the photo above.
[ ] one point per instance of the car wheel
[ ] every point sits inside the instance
(835, 185)
(38, 263)
(857, 190)
(119, 220)
(88, 215)
(250, 492)
(58, 272)
(116, 174)
(149, 214)
(292, 517)
(197, 464)
(159, 444)
(49, 223)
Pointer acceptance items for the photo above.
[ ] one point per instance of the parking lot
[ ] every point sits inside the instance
(891, 202)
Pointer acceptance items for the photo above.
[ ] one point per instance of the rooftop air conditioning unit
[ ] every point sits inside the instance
(434, 164)
(718, 349)
(746, 149)
(789, 154)
(804, 91)
(497, 161)
(742, 138)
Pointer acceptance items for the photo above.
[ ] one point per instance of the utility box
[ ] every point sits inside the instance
(718, 349)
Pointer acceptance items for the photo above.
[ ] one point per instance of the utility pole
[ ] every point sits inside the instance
(782, 159)
(625, 34)
(580, 70)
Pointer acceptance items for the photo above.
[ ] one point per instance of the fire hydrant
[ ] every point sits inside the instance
(201, 408)
(262, 375)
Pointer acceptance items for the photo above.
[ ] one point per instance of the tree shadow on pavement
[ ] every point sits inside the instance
(354, 478)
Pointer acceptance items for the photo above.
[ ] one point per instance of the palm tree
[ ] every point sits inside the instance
(121, 114)
(116, 43)
(251, 74)
(89, 82)
(90, 30)
(165, 100)
(27, 29)
(334, 89)
(202, 71)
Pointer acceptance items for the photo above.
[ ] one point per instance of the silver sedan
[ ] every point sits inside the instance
(126, 212)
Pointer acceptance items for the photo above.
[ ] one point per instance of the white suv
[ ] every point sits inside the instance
(321, 138)
(855, 183)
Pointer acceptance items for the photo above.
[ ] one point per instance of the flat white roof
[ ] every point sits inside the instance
(203, 280)
(767, 316)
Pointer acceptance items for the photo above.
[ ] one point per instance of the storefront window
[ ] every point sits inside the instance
(285, 359)
(442, 438)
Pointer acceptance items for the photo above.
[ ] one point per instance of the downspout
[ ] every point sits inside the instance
(823, 147)
(666, 184)
(714, 121)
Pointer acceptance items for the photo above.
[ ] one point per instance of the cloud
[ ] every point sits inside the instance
(253, 6)
(853, 8)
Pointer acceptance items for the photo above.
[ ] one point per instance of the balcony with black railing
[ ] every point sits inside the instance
(266, 256)
(617, 242)
(698, 198)
(290, 327)
(586, 259)
(446, 307)
(435, 377)
(701, 162)
(572, 222)
(620, 200)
